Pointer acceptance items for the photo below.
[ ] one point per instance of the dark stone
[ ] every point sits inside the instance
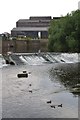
(24, 71)
(22, 75)
(49, 101)
(30, 91)
(12, 63)
(62, 60)
(60, 105)
(52, 106)
(7, 61)
(30, 85)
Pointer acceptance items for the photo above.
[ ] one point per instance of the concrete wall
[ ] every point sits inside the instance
(31, 34)
(40, 18)
(79, 5)
(33, 24)
(44, 45)
(24, 46)
(0, 46)
(7, 46)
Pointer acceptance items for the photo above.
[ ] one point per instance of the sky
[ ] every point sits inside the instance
(13, 10)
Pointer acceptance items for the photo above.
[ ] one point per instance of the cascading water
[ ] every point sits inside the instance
(44, 58)
(2, 62)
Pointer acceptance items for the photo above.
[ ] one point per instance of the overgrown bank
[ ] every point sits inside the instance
(64, 33)
(69, 76)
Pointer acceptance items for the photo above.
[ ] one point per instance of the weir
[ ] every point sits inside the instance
(42, 58)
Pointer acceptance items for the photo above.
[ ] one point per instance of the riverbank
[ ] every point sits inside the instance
(69, 76)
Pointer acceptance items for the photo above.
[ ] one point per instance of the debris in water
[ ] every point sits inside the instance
(24, 71)
(60, 105)
(30, 91)
(49, 101)
(62, 60)
(52, 106)
(29, 72)
(30, 85)
(22, 75)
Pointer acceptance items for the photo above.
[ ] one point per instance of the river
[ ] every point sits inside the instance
(28, 97)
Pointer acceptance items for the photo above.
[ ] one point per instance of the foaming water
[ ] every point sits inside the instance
(2, 62)
(70, 58)
(43, 58)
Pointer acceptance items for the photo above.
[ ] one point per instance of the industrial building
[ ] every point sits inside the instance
(79, 5)
(34, 27)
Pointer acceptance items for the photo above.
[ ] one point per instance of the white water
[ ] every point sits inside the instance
(70, 58)
(0, 87)
(2, 62)
(54, 58)
(41, 59)
(34, 60)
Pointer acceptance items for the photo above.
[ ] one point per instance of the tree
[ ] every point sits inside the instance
(64, 33)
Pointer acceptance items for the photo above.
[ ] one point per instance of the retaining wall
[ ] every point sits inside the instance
(24, 46)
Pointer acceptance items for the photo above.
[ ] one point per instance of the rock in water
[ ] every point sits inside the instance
(24, 71)
(60, 105)
(52, 106)
(22, 75)
(12, 63)
(49, 101)
(7, 61)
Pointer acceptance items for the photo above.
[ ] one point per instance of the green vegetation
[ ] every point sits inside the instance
(69, 75)
(64, 33)
(23, 38)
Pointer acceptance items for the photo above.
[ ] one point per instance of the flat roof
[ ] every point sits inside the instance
(30, 29)
(27, 20)
(40, 17)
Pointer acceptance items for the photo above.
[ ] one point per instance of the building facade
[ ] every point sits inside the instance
(79, 5)
(34, 27)
(0, 43)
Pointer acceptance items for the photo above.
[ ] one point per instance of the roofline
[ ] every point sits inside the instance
(30, 29)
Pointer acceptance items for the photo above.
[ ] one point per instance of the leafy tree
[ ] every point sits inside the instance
(64, 33)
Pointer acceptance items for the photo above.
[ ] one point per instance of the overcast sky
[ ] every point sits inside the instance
(12, 10)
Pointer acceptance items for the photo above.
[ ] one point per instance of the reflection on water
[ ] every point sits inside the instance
(18, 102)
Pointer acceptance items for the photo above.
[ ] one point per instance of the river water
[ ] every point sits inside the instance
(19, 102)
